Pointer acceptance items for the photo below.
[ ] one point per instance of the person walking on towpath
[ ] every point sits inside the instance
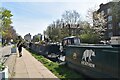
(19, 45)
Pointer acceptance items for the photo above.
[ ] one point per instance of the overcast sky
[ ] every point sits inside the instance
(33, 16)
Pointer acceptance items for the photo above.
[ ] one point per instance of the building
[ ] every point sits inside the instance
(111, 13)
(27, 37)
(76, 29)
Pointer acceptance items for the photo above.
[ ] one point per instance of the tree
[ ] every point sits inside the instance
(88, 35)
(89, 15)
(53, 31)
(63, 27)
(71, 19)
(100, 24)
(5, 17)
(7, 31)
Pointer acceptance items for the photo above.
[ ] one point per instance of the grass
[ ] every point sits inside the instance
(14, 46)
(2, 67)
(61, 71)
(0, 43)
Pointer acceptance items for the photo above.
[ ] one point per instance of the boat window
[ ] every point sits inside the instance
(76, 41)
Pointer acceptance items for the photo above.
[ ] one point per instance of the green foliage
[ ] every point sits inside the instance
(53, 33)
(42, 42)
(61, 27)
(64, 33)
(14, 46)
(6, 17)
(89, 38)
(8, 32)
(88, 34)
(36, 39)
(2, 67)
(0, 44)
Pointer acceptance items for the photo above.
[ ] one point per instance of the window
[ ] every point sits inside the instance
(65, 42)
(69, 42)
(76, 41)
(110, 34)
(109, 10)
(72, 32)
(102, 12)
(109, 18)
(110, 26)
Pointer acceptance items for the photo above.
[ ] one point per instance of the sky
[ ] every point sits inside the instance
(33, 16)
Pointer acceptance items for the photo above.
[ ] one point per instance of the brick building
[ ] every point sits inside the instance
(111, 12)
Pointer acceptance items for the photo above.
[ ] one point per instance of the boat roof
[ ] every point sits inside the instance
(70, 37)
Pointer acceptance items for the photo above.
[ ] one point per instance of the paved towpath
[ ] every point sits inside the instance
(28, 67)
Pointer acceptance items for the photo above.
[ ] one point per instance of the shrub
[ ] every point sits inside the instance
(2, 67)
